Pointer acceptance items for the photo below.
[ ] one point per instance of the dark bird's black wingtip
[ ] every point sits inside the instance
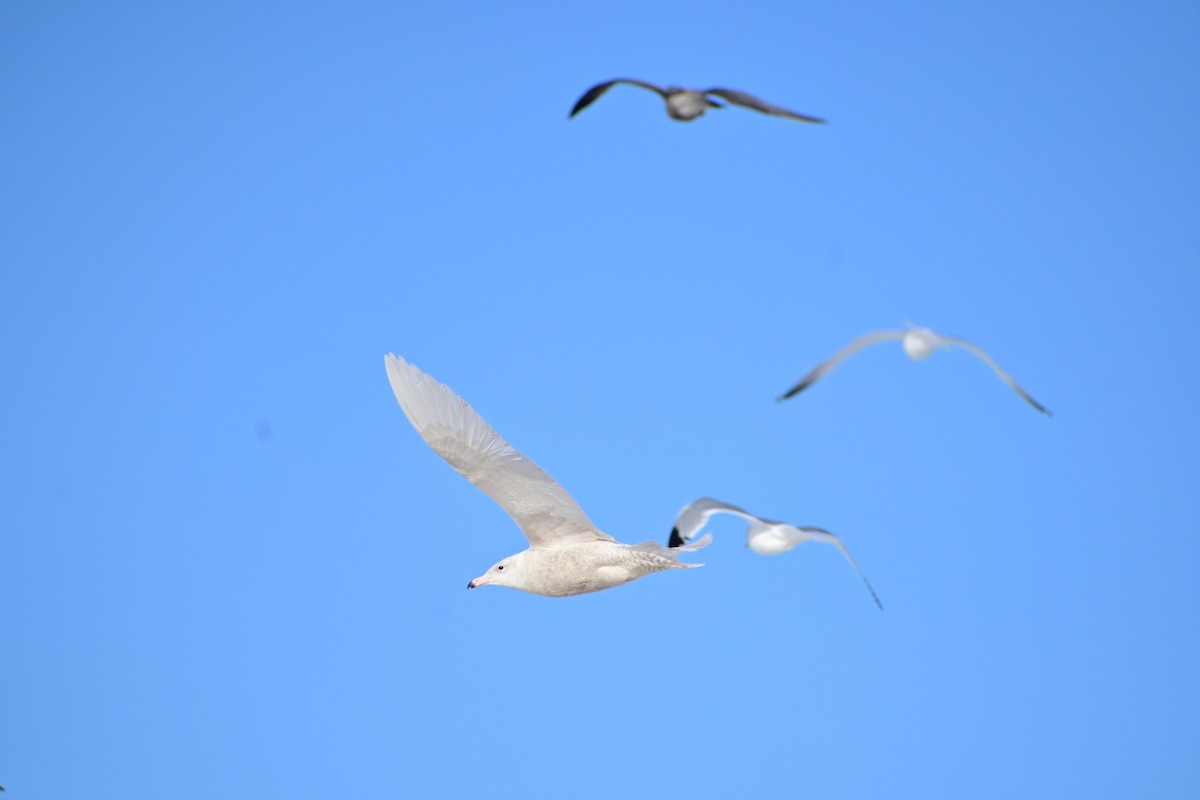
(676, 540)
(795, 390)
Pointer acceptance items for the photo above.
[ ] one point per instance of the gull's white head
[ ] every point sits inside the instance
(919, 343)
(507, 572)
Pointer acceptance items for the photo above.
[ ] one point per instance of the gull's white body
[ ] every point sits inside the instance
(919, 344)
(688, 104)
(567, 555)
(763, 536)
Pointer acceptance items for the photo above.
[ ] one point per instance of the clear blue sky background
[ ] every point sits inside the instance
(232, 569)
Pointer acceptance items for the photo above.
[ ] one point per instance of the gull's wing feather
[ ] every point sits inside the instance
(1004, 376)
(798, 534)
(593, 94)
(825, 367)
(752, 102)
(694, 515)
(548, 516)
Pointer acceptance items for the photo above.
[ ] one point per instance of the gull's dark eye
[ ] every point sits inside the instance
(500, 568)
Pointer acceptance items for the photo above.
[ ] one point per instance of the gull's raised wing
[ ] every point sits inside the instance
(593, 94)
(548, 516)
(694, 515)
(825, 367)
(756, 104)
(1004, 376)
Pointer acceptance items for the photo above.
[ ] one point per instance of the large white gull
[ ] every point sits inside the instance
(567, 555)
(687, 104)
(764, 536)
(919, 344)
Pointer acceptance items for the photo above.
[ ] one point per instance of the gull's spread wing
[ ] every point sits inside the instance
(547, 515)
(593, 94)
(797, 535)
(754, 103)
(825, 367)
(1004, 376)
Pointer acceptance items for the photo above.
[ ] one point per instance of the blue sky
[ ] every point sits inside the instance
(233, 569)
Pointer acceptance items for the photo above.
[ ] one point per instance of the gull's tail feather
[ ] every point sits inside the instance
(672, 553)
(703, 541)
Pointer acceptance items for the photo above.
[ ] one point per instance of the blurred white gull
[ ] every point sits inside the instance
(567, 555)
(919, 343)
(687, 104)
(765, 537)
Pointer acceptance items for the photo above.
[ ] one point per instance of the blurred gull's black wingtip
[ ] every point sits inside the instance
(676, 540)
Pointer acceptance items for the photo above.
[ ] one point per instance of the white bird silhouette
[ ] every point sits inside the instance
(687, 104)
(765, 537)
(919, 343)
(567, 555)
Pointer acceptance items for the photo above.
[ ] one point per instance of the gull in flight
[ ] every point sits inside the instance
(687, 104)
(919, 343)
(567, 555)
(765, 537)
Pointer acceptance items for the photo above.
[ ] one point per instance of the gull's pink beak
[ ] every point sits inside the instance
(482, 580)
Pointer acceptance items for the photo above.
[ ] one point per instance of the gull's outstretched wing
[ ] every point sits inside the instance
(693, 516)
(1004, 376)
(825, 367)
(593, 94)
(797, 535)
(752, 102)
(547, 515)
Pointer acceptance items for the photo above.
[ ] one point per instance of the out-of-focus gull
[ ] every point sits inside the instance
(764, 536)
(919, 343)
(567, 555)
(687, 104)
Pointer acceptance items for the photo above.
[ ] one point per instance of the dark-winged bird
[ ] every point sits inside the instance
(687, 104)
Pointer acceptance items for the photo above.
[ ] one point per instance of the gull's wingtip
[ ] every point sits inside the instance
(676, 540)
(397, 368)
(581, 104)
(1027, 397)
(792, 392)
